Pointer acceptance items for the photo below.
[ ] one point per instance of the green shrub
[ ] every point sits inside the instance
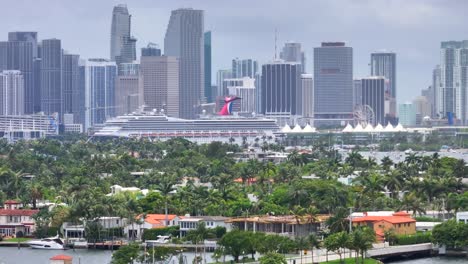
(413, 239)
(152, 234)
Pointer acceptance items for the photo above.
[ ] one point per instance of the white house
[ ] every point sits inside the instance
(188, 223)
(76, 231)
(462, 217)
(115, 189)
(135, 230)
(14, 220)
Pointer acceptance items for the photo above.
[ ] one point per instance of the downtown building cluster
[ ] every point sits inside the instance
(40, 78)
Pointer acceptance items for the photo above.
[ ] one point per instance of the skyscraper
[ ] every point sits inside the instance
(160, 82)
(18, 55)
(307, 96)
(452, 90)
(128, 94)
(437, 107)
(222, 75)
(407, 114)
(25, 36)
(11, 93)
(151, 49)
(384, 64)
(99, 82)
(244, 68)
(51, 76)
(292, 52)
(184, 40)
(281, 89)
(373, 95)
(333, 82)
(122, 44)
(208, 90)
(245, 89)
(70, 86)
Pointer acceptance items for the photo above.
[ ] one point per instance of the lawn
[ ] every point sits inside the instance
(353, 261)
(17, 239)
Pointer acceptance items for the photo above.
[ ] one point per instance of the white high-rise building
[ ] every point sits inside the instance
(245, 89)
(99, 89)
(451, 81)
(11, 93)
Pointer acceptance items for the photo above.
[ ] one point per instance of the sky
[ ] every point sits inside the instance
(246, 28)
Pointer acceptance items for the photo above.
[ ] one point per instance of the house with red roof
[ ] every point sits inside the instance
(14, 220)
(150, 221)
(400, 223)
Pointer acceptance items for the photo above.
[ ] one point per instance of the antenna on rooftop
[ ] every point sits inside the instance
(276, 39)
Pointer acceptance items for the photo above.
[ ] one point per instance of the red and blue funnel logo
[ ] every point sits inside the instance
(227, 108)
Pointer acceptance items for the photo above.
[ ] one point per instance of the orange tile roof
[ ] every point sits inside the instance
(18, 212)
(390, 219)
(11, 202)
(158, 219)
(61, 257)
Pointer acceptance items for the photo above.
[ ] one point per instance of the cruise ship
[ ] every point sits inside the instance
(161, 127)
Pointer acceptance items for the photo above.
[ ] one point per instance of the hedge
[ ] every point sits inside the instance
(418, 238)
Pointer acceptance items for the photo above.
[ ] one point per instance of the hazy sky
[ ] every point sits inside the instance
(245, 28)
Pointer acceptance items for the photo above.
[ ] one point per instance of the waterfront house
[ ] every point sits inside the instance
(400, 223)
(15, 221)
(286, 225)
(73, 231)
(188, 223)
(149, 221)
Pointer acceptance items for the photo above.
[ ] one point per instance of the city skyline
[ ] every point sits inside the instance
(420, 22)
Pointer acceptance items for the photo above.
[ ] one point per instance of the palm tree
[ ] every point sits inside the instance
(166, 186)
(314, 243)
(386, 163)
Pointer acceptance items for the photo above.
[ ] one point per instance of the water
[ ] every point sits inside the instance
(11, 255)
(435, 260)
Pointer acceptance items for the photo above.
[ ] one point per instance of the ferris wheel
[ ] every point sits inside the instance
(363, 114)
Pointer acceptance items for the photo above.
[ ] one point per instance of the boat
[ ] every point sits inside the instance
(47, 243)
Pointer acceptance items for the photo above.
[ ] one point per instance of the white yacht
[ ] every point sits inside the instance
(47, 243)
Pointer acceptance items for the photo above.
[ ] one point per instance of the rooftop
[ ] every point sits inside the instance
(286, 219)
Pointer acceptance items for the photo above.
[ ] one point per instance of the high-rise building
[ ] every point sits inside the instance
(422, 108)
(19, 55)
(437, 109)
(292, 52)
(207, 43)
(384, 64)
(245, 89)
(357, 92)
(130, 68)
(71, 90)
(281, 89)
(452, 88)
(99, 87)
(184, 40)
(128, 94)
(307, 96)
(11, 93)
(51, 77)
(407, 114)
(222, 75)
(127, 52)
(373, 95)
(160, 82)
(25, 36)
(244, 68)
(333, 83)
(120, 30)
(37, 85)
(151, 49)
